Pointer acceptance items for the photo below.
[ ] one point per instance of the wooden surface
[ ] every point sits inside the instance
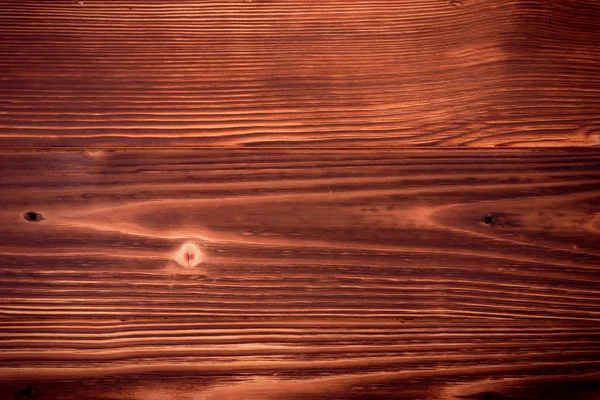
(287, 73)
(289, 200)
(284, 274)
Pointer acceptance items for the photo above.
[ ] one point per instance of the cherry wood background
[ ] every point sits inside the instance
(287, 200)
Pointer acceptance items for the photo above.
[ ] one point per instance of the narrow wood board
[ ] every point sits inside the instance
(283, 274)
(379, 73)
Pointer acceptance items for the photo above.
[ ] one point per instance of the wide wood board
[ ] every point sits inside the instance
(287, 274)
(373, 73)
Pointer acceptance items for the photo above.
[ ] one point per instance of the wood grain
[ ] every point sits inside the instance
(286, 274)
(376, 73)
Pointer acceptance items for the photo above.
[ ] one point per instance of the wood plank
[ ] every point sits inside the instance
(286, 274)
(389, 73)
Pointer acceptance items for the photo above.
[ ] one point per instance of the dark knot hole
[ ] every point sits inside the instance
(490, 219)
(33, 216)
(25, 393)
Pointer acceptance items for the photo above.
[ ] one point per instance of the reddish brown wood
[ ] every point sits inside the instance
(308, 268)
(376, 73)
(283, 274)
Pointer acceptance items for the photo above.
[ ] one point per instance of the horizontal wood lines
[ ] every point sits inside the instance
(291, 274)
(297, 73)
(477, 235)
(275, 200)
(297, 359)
(177, 341)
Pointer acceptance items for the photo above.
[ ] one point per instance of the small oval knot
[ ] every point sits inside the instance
(490, 219)
(33, 216)
(25, 393)
(189, 255)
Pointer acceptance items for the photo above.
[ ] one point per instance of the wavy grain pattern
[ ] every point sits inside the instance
(272, 274)
(283, 73)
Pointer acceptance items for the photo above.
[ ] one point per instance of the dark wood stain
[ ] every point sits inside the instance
(287, 274)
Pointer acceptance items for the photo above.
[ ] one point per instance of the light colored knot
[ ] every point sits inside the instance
(189, 255)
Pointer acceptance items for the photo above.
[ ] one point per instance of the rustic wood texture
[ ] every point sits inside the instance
(284, 274)
(313, 73)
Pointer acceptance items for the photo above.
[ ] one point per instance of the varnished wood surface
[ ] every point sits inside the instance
(288, 73)
(283, 274)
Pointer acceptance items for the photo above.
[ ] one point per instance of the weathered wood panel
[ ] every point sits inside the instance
(282, 73)
(277, 274)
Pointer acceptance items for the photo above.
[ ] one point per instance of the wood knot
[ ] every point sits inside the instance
(33, 216)
(485, 396)
(189, 255)
(490, 219)
(25, 393)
